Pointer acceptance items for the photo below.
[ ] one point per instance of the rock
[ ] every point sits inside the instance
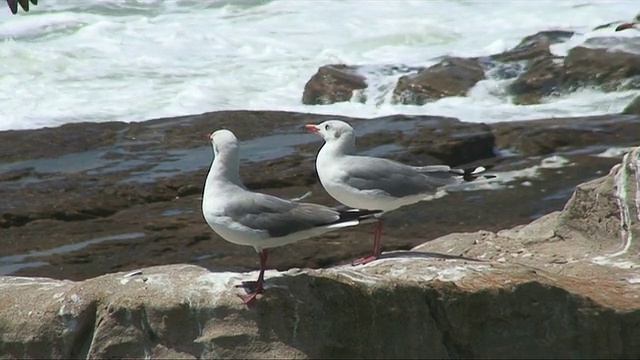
(452, 142)
(534, 46)
(554, 135)
(566, 283)
(336, 83)
(451, 77)
(542, 77)
(633, 107)
(609, 63)
(532, 62)
(611, 70)
(591, 238)
(331, 84)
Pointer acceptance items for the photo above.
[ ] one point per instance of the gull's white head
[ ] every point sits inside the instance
(223, 141)
(332, 130)
(226, 156)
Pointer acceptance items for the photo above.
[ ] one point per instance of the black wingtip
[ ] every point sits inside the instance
(13, 6)
(471, 174)
(348, 214)
(24, 4)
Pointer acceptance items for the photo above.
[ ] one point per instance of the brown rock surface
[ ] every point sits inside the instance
(612, 70)
(534, 46)
(605, 62)
(563, 286)
(633, 108)
(563, 134)
(538, 72)
(608, 63)
(542, 77)
(338, 83)
(450, 77)
(332, 83)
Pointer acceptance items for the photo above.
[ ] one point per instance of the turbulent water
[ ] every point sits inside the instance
(79, 60)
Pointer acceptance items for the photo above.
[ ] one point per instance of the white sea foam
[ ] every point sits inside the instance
(614, 152)
(72, 60)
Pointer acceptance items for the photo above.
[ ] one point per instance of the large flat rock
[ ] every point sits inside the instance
(398, 307)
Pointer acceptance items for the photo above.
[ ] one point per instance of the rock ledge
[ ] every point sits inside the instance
(566, 285)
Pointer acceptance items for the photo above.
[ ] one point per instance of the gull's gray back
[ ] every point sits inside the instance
(394, 178)
(277, 216)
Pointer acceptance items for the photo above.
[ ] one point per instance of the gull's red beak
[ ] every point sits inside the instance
(311, 127)
(625, 26)
(209, 136)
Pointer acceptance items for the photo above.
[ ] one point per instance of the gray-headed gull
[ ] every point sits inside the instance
(24, 4)
(262, 221)
(376, 183)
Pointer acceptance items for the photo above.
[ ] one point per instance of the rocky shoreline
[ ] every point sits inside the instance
(533, 73)
(563, 286)
(82, 200)
(105, 252)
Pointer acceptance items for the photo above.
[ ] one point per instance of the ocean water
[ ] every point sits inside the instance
(76, 60)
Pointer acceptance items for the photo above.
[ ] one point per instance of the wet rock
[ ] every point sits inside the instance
(451, 77)
(633, 107)
(608, 63)
(568, 134)
(452, 142)
(560, 282)
(532, 62)
(534, 46)
(542, 77)
(332, 83)
(65, 139)
(610, 70)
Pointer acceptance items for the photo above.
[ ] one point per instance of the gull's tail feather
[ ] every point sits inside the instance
(470, 174)
(352, 217)
(445, 172)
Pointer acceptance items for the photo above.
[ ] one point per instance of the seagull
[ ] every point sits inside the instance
(623, 24)
(630, 25)
(244, 217)
(24, 4)
(376, 183)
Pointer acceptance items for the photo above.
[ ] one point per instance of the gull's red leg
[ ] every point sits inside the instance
(255, 287)
(377, 235)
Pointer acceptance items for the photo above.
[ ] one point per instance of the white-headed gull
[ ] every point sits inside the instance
(376, 183)
(623, 24)
(262, 221)
(13, 5)
(630, 25)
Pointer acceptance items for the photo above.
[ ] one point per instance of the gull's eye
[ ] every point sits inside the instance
(327, 127)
